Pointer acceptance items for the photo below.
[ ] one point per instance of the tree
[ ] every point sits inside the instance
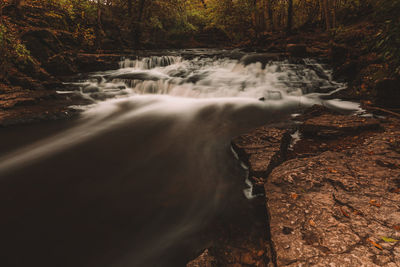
(137, 27)
(270, 14)
(289, 16)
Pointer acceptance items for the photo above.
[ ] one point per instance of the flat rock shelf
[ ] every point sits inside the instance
(332, 203)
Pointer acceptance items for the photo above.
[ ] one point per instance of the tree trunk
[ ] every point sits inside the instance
(334, 7)
(1, 13)
(100, 32)
(289, 17)
(270, 14)
(255, 19)
(18, 3)
(138, 23)
(130, 8)
(327, 14)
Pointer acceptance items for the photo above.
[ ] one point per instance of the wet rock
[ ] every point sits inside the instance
(97, 62)
(19, 105)
(261, 150)
(315, 111)
(263, 58)
(195, 77)
(238, 235)
(137, 76)
(339, 206)
(101, 96)
(90, 89)
(204, 260)
(328, 125)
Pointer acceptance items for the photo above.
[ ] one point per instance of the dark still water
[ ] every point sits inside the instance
(146, 167)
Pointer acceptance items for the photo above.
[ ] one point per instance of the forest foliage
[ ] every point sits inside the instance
(135, 23)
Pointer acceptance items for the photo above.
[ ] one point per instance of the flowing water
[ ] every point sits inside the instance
(148, 164)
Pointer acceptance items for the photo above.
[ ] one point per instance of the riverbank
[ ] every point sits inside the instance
(331, 197)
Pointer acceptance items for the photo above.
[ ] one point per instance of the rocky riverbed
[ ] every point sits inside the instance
(331, 198)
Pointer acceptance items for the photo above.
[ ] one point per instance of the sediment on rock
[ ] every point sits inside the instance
(340, 125)
(340, 206)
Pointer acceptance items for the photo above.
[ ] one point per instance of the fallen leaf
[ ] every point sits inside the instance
(344, 212)
(357, 212)
(375, 203)
(312, 223)
(363, 87)
(396, 227)
(389, 240)
(375, 244)
(294, 196)
(394, 190)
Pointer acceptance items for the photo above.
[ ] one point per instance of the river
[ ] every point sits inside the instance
(148, 164)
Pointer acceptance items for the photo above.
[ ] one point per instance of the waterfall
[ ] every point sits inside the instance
(149, 163)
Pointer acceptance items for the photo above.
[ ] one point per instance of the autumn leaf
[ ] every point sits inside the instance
(363, 87)
(396, 227)
(375, 244)
(312, 223)
(357, 212)
(294, 196)
(375, 203)
(344, 212)
(332, 170)
(389, 240)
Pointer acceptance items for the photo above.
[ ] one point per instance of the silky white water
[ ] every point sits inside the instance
(210, 78)
(149, 162)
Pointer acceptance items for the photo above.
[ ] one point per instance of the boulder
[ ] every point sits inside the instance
(42, 43)
(90, 89)
(263, 58)
(61, 64)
